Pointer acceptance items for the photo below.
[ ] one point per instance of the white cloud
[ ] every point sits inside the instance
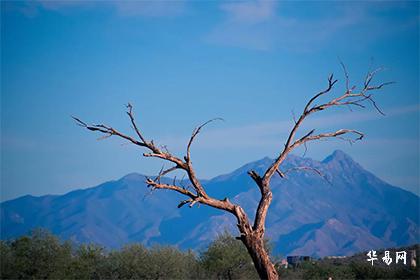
(270, 134)
(250, 11)
(57, 5)
(259, 25)
(125, 8)
(255, 25)
(149, 8)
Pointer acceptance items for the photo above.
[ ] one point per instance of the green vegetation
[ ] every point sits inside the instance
(41, 255)
(227, 258)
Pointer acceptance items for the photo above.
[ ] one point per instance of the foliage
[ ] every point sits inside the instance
(353, 270)
(42, 255)
(227, 258)
(366, 271)
(319, 270)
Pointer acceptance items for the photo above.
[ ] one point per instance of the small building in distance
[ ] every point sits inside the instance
(294, 261)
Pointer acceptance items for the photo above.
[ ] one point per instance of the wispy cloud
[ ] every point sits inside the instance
(256, 25)
(127, 8)
(61, 5)
(250, 12)
(262, 25)
(149, 8)
(247, 24)
(265, 134)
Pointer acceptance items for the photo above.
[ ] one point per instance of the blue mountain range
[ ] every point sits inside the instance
(348, 211)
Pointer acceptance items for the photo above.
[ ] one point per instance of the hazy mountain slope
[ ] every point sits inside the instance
(112, 214)
(355, 211)
(352, 211)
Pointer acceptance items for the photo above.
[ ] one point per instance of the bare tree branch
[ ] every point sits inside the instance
(349, 98)
(310, 137)
(317, 171)
(346, 74)
(156, 185)
(281, 174)
(196, 132)
(199, 195)
(154, 150)
(331, 83)
(133, 123)
(165, 172)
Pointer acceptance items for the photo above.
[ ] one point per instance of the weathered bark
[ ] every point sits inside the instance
(251, 236)
(253, 239)
(260, 257)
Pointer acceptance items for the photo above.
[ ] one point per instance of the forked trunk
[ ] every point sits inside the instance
(260, 257)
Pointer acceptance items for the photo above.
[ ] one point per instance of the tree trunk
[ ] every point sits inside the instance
(260, 257)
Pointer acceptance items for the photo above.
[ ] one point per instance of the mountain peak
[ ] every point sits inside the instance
(258, 165)
(133, 177)
(338, 156)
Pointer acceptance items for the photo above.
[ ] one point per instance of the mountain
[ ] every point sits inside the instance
(348, 211)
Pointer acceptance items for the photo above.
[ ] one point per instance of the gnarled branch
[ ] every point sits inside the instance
(156, 185)
(195, 133)
(198, 195)
(305, 168)
(348, 98)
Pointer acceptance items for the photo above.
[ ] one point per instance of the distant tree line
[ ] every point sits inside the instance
(42, 255)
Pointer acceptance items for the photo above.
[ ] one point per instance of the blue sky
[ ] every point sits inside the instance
(181, 63)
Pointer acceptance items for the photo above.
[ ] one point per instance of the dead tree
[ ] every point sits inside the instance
(251, 232)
